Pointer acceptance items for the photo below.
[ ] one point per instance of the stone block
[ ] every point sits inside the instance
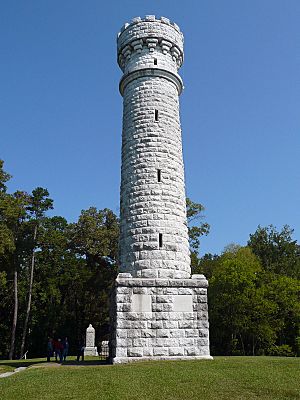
(147, 333)
(164, 299)
(124, 342)
(121, 333)
(162, 333)
(160, 351)
(121, 351)
(186, 342)
(187, 324)
(135, 351)
(139, 342)
(177, 333)
(167, 324)
(141, 303)
(183, 303)
(191, 333)
(176, 351)
(148, 351)
(191, 351)
(133, 333)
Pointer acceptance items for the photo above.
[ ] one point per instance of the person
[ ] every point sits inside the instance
(80, 350)
(58, 347)
(65, 351)
(49, 349)
(55, 346)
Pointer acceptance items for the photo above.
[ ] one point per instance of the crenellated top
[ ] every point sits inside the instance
(150, 35)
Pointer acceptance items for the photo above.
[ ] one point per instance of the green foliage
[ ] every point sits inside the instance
(280, 351)
(196, 229)
(238, 309)
(4, 177)
(278, 252)
(252, 308)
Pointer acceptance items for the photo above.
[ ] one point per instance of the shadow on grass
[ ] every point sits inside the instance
(70, 362)
(85, 363)
(21, 363)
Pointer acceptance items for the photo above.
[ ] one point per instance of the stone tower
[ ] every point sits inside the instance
(158, 309)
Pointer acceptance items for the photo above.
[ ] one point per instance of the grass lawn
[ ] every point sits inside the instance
(231, 378)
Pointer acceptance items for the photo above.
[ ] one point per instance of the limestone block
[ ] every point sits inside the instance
(191, 351)
(124, 342)
(170, 324)
(186, 342)
(148, 351)
(190, 324)
(121, 333)
(121, 352)
(146, 333)
(155, 325)
(177, 333)
(160, 351)
(176, 351)
(140, 342)
(133, 333)
(164, 299)
(141, 303)
(135, 351)
(191, 332)
(183, 303)
(162, 333)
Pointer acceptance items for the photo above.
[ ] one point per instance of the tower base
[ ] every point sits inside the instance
(159, 319)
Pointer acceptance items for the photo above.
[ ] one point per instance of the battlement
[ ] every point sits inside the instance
(151, 34)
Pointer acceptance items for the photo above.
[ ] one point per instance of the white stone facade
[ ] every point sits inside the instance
(154, 248)
(175, 326)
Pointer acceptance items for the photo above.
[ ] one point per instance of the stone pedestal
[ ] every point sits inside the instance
(90, 349)
(159, 319)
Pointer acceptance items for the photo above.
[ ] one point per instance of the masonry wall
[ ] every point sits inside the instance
(154, 235)
(161, 318)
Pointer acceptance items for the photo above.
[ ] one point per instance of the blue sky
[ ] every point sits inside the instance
(60, 110)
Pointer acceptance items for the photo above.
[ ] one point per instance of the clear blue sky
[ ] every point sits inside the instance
(60, 110)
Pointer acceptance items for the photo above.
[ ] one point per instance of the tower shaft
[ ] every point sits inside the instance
(154, 236)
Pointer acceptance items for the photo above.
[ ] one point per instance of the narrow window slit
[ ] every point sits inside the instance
(155, 61)
(156, 115)
(159, 175)
(160, 239)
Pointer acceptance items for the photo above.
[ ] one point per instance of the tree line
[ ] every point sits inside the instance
(56, 277)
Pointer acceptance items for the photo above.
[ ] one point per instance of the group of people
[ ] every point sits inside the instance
(59, 348)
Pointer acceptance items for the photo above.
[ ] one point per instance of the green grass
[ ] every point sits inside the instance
(231, 378)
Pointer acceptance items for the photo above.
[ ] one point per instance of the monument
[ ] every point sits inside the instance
(159, 311)
(90, 349)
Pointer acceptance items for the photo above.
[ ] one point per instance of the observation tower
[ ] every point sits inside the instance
(158, 309)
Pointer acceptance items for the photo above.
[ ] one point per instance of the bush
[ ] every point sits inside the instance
(281, 351)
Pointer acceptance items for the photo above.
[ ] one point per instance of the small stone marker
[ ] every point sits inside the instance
(90, 349)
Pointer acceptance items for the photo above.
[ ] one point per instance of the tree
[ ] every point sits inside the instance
(196, 228)
(278, 252)
(206, 265)
(39, 203)
(94, 239)
(12, 215)
(4, 177)
(240, 315)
